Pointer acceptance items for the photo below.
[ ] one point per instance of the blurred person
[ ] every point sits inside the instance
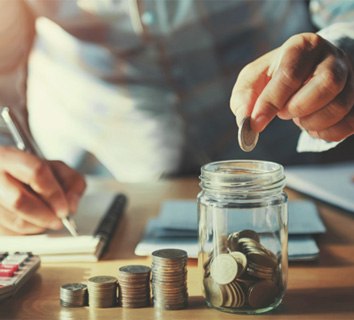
(140, 90)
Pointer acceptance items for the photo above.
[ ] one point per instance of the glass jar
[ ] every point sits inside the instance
(243, 235)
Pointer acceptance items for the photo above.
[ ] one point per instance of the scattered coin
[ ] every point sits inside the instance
(262, 294)
(214, 292)
(247, 276)
(247, 138)
(223, 268)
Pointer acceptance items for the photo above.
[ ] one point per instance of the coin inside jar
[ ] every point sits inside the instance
(223, 269)
(262, 294)
(247, 138)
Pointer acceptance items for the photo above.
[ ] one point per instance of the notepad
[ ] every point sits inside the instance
(96, 219)
(176, 226)
(331, 183)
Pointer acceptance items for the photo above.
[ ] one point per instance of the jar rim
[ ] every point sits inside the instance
(258, 166)
(240, 175)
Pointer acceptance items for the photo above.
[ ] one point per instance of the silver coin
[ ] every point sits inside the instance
(74, 286)
(170, 254)
(135, 269)
(247, 138)
(102, 280)
(73, 295)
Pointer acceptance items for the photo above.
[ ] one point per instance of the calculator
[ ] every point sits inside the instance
(15, 270)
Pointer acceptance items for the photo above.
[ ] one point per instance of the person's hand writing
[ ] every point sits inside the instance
(307, 80)
(35, 193)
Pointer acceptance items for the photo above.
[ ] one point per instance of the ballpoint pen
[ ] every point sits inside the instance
(25, 142)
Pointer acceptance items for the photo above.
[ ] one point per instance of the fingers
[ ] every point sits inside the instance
(11, 224)
(297, 58)
(249, 85)
(328, 80)
(34, 193)
(73, 183)
(307, 79)
(339, 131)
(22, 203)
(37, 174)
(332, 113)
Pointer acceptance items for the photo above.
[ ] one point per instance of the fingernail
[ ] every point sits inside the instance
(259, 123)
(62, 213)
(313, 134)
(56, 225)
(297, 122)
(73, 202)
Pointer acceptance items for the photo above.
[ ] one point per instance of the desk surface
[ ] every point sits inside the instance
(316, 290)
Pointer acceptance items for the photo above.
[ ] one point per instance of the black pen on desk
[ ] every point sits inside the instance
(25, 142)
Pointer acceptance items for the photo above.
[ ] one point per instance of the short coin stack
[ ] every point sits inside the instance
(73, 295)
(102, 291)
(134, 283)
(246, 275)
(169, 279)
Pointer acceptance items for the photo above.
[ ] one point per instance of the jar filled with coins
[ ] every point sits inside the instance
(243, 236)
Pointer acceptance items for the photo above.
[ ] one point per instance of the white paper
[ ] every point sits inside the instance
(60, 243)
(307, 143)
(331, 183)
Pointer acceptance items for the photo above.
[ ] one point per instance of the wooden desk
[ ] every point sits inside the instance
(320, 290)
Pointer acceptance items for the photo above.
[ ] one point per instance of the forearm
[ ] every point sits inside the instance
(16, 34)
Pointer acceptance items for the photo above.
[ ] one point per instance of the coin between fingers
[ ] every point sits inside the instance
(247, 138)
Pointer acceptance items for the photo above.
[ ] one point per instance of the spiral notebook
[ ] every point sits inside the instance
(96, 220)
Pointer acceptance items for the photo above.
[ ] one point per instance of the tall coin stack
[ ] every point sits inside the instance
(102, 291)
(73, 295)
(134, 283)
(169, 279)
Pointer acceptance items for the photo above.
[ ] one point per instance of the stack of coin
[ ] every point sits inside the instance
(102, 291)
(134, 284)
(73, 295)
(169, 279)
(246, 275)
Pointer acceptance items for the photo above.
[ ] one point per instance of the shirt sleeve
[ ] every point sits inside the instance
(335, 21)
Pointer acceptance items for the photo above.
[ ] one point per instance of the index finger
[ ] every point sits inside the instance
(36, 173)
(249, 84)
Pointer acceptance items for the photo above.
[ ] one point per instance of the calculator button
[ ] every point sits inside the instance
(6, 273)
(13, 267)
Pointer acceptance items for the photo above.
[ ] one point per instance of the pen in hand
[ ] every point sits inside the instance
(70, 225)
(24, 142)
